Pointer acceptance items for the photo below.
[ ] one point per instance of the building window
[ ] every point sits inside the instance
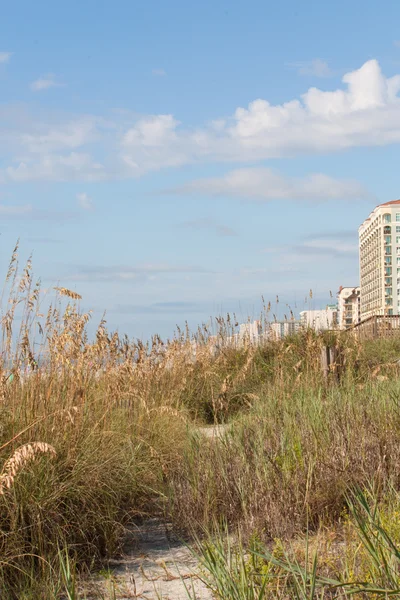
(397, 228)
(388, 239)
(388, 250)
(388, 270)
(387, 218)
(397, 216)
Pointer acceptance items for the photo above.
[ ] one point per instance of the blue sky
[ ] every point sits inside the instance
(173, 160)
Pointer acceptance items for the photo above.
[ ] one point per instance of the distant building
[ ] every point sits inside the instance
(256, 331)
(280, 329)
(379, 245)
(349, 313)
(320, 320)
(250, 332)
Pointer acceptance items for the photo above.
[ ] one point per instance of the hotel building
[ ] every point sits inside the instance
(379, 245)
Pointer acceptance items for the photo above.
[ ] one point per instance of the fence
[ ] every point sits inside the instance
(378, 326)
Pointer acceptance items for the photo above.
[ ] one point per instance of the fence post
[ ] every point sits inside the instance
(375, 327)
(334, 363)
(325, 361)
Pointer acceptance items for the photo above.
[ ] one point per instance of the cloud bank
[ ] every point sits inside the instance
(365, 111)
(267, 184)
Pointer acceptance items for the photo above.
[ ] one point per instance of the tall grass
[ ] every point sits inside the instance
(94, 433)
(85, 439)
(363, 563)
(290, 460)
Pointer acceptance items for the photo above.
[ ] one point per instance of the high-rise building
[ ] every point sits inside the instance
(379, 244)
(348, 307)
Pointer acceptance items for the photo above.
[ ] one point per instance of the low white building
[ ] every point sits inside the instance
(250, 332)
(257, 331)
(349, 311)
(280, 329)
(320, 320)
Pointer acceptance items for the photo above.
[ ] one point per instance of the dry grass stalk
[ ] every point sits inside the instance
(69, 293)
(13, 263)
(20, 459)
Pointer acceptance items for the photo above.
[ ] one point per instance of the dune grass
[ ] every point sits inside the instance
(359, 559)
(95, 433)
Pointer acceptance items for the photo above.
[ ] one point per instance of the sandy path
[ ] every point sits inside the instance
(156, 564)
(213, 431)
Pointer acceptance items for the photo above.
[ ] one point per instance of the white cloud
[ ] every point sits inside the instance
(267, 184)
(159, 72)
(45, 138)
(85, 201)
(5, 57)
(153, 143)
(72, 167)
(52, 151)
(126, 273)
(153, 132)
(331, 246)
(45, 82)
(314, 68)
(365, 113)
(307, 254)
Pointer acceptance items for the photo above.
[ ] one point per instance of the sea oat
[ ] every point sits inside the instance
(66, 292)
(13, 262)
(20, 459)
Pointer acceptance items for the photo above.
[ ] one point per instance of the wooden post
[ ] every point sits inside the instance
(334, 365)
(325, 361)
(375, 327)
